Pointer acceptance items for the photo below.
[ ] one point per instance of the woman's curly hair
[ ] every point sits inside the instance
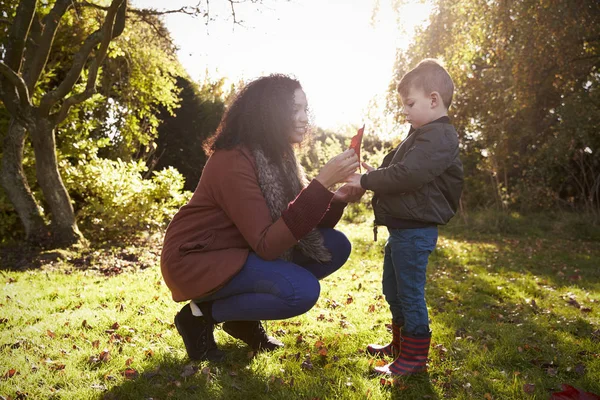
(260, 116)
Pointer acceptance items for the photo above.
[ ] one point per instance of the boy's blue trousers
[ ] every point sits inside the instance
(404, 274)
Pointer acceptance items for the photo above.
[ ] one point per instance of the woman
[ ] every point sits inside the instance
(254, 239)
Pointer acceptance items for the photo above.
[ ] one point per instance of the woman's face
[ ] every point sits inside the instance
(299, 117)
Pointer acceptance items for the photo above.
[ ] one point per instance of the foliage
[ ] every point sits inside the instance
(119, 122)
(513, 317)
(114, 201)
(180, 136)
(526, 101)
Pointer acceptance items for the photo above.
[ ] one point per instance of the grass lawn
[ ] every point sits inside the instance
(514, 316)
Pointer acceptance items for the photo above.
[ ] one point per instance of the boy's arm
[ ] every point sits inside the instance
(432, 153)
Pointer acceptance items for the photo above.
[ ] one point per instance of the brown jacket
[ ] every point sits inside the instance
(209, 239)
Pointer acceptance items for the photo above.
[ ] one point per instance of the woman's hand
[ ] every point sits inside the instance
(348, 194)
(338, 169)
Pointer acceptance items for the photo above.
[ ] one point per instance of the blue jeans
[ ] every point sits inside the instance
(267, 290)
(404, 275)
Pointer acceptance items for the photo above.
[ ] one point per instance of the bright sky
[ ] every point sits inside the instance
(342, 60)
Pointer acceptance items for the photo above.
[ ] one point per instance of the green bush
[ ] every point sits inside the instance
(114, 201)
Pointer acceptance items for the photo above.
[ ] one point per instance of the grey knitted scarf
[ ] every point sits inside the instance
(272, 184)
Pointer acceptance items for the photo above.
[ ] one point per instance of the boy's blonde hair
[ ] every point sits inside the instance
(430, 76)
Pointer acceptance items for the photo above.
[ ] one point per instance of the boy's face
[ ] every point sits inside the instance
(418, 107)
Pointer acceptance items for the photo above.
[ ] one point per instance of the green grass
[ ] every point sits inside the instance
(514, 316)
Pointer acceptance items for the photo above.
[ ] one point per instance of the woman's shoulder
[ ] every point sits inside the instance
(227, 158)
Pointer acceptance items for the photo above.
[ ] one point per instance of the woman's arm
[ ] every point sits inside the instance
(238, 193)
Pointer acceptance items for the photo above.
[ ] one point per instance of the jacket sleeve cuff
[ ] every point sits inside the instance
(333, 215)
(306, 211)
(363, 181)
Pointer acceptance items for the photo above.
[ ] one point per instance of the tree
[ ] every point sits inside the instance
(26, 54)
(520, 68)
(42, 100)
(180, 136)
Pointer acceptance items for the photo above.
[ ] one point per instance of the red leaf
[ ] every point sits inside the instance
(130, 373)
(571, 393)
(10, 373)
(356, 141)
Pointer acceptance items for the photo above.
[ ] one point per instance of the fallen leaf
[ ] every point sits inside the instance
(307, 364)
(580, 369)
(104, 355)
(189, 370)
(130, 373)
(529, 388)
(10, 373)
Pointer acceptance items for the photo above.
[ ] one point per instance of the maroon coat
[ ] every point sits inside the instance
(209, 239)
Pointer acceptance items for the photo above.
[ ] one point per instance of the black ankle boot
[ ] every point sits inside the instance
(253, 334)
(197, 335)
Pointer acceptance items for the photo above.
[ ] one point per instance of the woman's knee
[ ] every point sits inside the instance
(307, 296)
(338, 244)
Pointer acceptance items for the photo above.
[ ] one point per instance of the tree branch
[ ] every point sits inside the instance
(18, 83)
(18, 34)
(189, 10)
(112, 27)
(18, 104)
(73, 75)
(42, 50)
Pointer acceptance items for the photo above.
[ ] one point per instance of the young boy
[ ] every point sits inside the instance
(416, 188)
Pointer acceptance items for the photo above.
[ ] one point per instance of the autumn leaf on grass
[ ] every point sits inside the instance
(10, 373)
(529, 388)
(572, 393)
(189, 370)
(307, 364)
(130, 373)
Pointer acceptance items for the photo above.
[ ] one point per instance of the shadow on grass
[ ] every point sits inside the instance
(107, 258)
(502, 338)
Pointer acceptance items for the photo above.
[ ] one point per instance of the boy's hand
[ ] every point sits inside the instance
(348, 194)
(354, 181)
(367, 167)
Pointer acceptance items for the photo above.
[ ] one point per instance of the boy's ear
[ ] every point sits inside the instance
(435, 99)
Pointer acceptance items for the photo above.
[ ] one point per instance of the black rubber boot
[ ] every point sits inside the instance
(253, 334)
(197, 335)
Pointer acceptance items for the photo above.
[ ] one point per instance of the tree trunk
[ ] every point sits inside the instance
(15, 184)
(63, 227)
